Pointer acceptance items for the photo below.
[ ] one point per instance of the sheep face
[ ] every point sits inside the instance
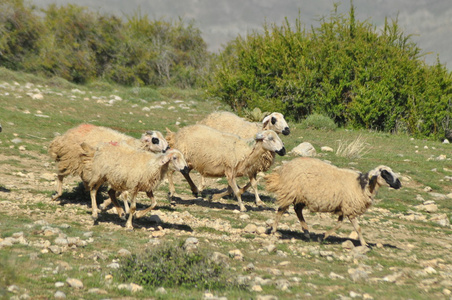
(276, 122)
(176, 161)
(271, 142)
(155, 141)
(385, 177)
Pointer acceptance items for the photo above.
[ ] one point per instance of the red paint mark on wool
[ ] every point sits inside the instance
(114, 143)
(85, 128)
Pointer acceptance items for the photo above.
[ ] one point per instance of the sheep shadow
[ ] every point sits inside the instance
(149, 221)
(78, 195)
(4, 190)
(320, 238)
(205, 201)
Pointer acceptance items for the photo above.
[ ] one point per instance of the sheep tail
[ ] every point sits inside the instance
(170, 137)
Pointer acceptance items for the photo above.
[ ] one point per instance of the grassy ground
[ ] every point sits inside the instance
(409, 256)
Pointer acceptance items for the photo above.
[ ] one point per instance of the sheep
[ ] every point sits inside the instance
(231, 123)
(321, 187)
(126, 168)
(216, 154)
(65, 149)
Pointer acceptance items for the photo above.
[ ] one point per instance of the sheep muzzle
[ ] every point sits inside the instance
(281, 152)
(286, 131)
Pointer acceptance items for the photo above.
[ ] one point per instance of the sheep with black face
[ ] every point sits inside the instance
(321, 187)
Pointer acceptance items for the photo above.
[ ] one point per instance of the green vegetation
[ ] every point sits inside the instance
(170, 265)
(344, 68)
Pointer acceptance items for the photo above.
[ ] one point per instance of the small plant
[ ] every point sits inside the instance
(320, 122)
(255, 115)
(170, 265)
(355, 149)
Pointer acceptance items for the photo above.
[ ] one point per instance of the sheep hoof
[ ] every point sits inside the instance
(242, 208)
(260, 203)
(307, 235)
(55, 197)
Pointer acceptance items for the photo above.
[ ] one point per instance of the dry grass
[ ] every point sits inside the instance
(355, 149)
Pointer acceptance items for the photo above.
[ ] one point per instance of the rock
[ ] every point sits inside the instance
(236, 254)
(191, 244)
(261, 230)
(256, 288)
(113, 265)
(130, 287)
(326, 149)
(244, 217)
(358, 274)
(250, 228)
(124, 253)
(353, 235)
(441, 219)
(55, 249)
(218, 258)
(97, 291)
(392, 278)
(335, 276)
(428, 189)
(266, 297)
(59, 295)
(270, 248)
(348, 244)
(282, 284)
(74, 283)
(304, 149)
(161, 290)
(59, 284)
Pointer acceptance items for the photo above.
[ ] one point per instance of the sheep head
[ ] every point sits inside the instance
(271, 142)
(276, 122)
(154, 141)
(176, 161)
(384, 176)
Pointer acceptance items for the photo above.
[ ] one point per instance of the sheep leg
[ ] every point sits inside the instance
(338, 225)
(119, 210)
(236, 190)
(299, 211)
(279, 213)
(93, 193)
(194, 189)
(133, 207)
(253, 183)
(355, 224)
(126, 202)
(223, 194)
(59, 187)
(203, 183)
(172, 189)
(143, 212)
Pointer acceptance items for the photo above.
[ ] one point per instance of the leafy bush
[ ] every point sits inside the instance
(171, 265)
(344, 68)
(318, 121)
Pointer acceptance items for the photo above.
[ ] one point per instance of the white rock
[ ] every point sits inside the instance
(304, 149)
(59, 295)
(74, 283)
(326, 149)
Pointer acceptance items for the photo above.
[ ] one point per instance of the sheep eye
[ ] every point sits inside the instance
(155, 141)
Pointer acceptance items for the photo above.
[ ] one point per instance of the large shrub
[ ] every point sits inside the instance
(346, 69)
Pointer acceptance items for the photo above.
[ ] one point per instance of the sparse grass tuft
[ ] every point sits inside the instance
(354, 149)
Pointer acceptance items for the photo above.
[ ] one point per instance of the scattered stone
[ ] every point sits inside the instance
(250, 228)
(59, 295)
(441, 219)
(59, 284)
(270, 248)
(256, 288)
(348, 245)
(124, 253)
(393, 277)
(161, 290)
(282, 284)
(55, 249)
(191, 244)
(358, 274)
(97, 291)
(74, 283)
(335, 276)
(236, 254)
(266, 297)
(244, 217)
(132, 287)
(218, 258)
(304, 149)
(113, 265)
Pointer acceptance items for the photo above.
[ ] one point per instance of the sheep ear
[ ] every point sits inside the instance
(165, 158)
(259, 136)
(265, 121)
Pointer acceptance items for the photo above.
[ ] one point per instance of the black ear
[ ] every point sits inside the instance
(393, 182)
(273, 120)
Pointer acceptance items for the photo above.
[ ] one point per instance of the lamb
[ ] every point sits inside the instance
(321, 187)
(125, 168)
(216, 154)
(66, 150)
(231, 123)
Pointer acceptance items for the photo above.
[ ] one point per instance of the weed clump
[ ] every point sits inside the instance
(170, 265)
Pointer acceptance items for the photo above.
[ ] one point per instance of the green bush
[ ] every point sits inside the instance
(318, 121)
(344, 68)
(170, 265)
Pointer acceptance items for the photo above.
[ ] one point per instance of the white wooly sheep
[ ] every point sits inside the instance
(65, 149)
(125, 168)
(231, 123)
(217, 154)
(321, 187)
